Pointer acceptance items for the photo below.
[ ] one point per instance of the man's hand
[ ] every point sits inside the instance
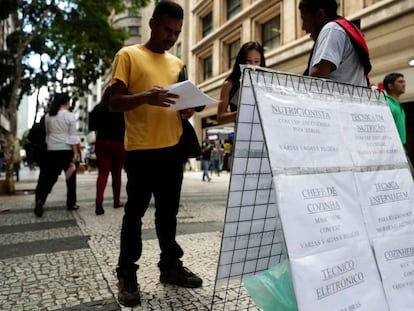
(158, 96)
(186, 113)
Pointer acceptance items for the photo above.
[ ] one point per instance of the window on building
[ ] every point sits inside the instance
(207, 67)
(207, 24)
(134, 30)
(233, 7)
(232, 52)
(271, 33)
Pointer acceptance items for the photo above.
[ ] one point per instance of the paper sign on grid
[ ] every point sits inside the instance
(371, 135)
(341, 279)
(395, 258)
(387, 201)
(302, 134)
(319, 212)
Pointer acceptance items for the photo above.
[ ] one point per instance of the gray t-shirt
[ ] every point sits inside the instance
(334, 45)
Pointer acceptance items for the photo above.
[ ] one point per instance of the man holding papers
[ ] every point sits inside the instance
(153, 164)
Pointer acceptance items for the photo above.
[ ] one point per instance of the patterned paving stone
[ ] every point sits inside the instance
(66, 260)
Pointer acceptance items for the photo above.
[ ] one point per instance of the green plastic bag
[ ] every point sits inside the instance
(272, 290)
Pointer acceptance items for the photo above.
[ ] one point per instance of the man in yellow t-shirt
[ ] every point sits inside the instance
(153, 164)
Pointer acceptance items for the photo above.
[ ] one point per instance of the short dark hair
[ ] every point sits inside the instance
(169, 8)
(390, 78)
(329, 6)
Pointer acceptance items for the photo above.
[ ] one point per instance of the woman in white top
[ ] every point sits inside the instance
(62, 152)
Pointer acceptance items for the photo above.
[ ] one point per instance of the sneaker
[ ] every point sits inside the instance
(38, 210)
(128, 293)
(181, 276)
(99, 209)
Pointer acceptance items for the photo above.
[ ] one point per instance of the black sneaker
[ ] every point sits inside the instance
(181, 276)
(38, 210)
(99, 209)
(128, 293)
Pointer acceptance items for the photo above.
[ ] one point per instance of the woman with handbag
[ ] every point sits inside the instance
(62, 153)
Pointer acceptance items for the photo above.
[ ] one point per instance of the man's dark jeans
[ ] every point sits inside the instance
(155, 172)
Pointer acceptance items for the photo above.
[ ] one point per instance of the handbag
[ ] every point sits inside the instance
(188, 145)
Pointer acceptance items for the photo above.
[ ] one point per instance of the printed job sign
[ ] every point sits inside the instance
(387, 201)
(344, 279)
(370, 135)
(319, 212)
(337, 173)
(327, 134)
(395, 257)
(305, 133)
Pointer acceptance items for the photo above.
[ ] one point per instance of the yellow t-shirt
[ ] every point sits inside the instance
(148, 127)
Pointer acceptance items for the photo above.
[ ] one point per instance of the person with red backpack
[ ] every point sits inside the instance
(340, 52)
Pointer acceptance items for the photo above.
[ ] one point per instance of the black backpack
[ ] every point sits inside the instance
(37, 138)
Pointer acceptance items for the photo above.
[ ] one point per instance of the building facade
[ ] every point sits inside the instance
(7, 26)
(219, 30)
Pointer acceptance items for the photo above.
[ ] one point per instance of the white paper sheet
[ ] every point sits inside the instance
(387, 201)
(190, 95)
(344, 279)
(319, 212)
(299, 134)
(395, 257)
(371, 135)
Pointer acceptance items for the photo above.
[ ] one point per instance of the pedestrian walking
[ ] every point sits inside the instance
(17, 158)
(62, 153)
(206, 149)
(217, 158)
(109, 150)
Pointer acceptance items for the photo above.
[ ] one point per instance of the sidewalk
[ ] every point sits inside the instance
(66, 260)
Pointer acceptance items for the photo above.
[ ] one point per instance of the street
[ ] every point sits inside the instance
(66, 260)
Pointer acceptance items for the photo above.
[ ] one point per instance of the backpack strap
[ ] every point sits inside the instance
(358, 41)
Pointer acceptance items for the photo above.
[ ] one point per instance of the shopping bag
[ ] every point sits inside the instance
(272, 290)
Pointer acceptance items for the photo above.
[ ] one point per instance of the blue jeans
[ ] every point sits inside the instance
(158, 173)
(206, 166)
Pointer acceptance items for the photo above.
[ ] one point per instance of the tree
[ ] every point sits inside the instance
(74, 33)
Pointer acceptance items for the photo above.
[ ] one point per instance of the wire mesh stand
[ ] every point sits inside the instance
(253, 239)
